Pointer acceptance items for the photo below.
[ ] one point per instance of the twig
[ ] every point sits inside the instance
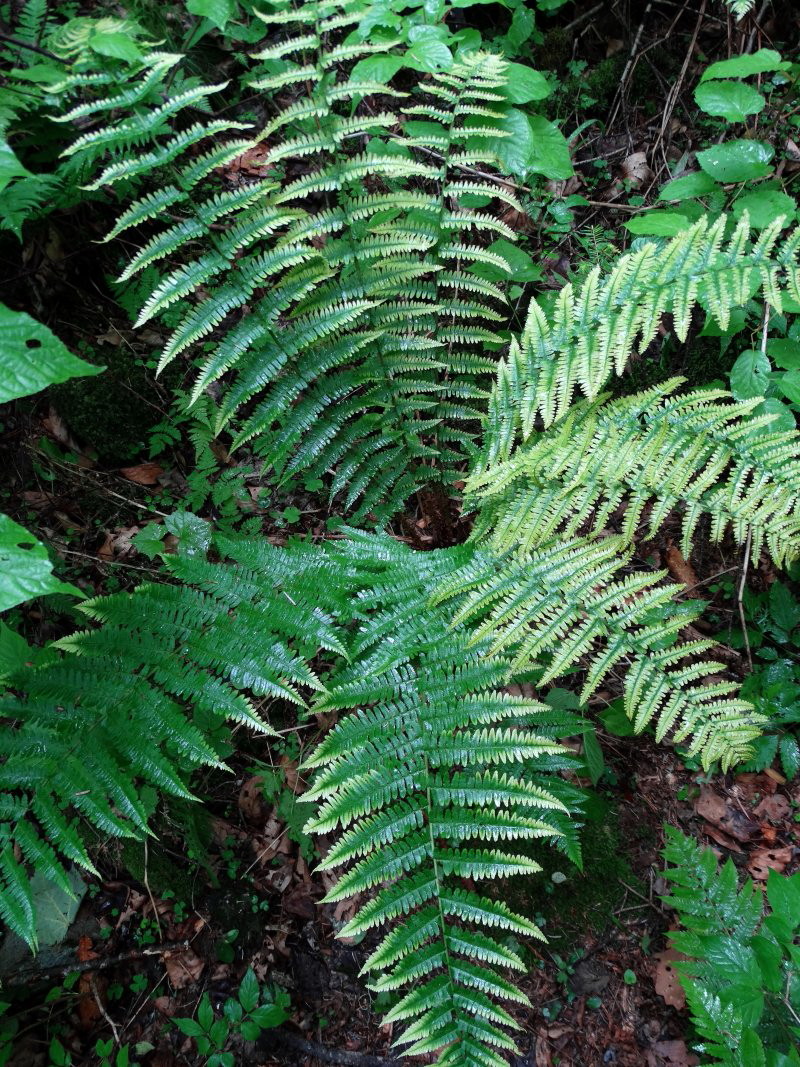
(102, 1010)
(740, 594)
(16, 43)
(32, 974)
(620, 93)
(150, 891)
(582, 18)
(298, 1044)
(672, 99)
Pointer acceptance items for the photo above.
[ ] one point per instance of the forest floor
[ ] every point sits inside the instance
(154, 935)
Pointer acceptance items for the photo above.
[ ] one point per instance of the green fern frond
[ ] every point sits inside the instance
(127, 704)
(414, 777)
(569, 604)
(655, 453)
(592, 333)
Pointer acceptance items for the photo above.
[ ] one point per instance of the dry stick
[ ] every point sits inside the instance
(748, 545)
(740, 594)
(626, 72)
(102, 1010)
(321, 1052)
(672, 99)
(33, 974)
(756, 25)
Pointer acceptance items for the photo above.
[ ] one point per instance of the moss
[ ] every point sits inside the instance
(114, 411)
(163, 875)
(582, 901)
(554, 52)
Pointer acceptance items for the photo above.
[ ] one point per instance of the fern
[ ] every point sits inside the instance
(656, 453)
(352, 330)
(740, 8)
(433, 771)
(552, 469)
(592, 332)
(569, 605)
(129, 705)
(740, 970)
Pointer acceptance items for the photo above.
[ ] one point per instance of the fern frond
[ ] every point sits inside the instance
(414, 777)
(568, 604)
(592, 333)
(127, 705)
(655, 453)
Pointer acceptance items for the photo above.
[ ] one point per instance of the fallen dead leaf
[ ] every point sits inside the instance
(775, 808)
(636, 169)
(251, 801)
(666, 977)
(764, 860)
(714, 809)
(183, 968)
(298, 902)
(681, 569)
(725, 840)
(106, 550)
(142, 473)
(671, 1054)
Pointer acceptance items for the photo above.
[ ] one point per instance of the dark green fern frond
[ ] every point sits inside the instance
(592, 333)
(336, 300)
(433, 772)
(129, 705)
(569, 604)
(698, 453)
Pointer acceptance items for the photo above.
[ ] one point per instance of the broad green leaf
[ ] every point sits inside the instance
(15, 651)
(25, 569)
(790, 756)
(749, 375)
(10, 166)
(193, 533)
(427, 51)
(733, 101)
(150, 539)
(217, 11)
(116, 46)
(737, 161)
(380, 68)
(523, 268)
(783, 894)
(525, 84)
(593, 756)
(249, 990)
(55, 909)
(764, 205)
(687, 186)
(783, 607)
(751, 1050)
(785, 352)
(765, 59)
(784, 421)
(521, 28)
(32, 357)
(549, 155)
(789, 385)
(513, 150)
(658, 224)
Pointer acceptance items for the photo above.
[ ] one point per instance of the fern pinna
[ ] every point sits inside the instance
(336, 299)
